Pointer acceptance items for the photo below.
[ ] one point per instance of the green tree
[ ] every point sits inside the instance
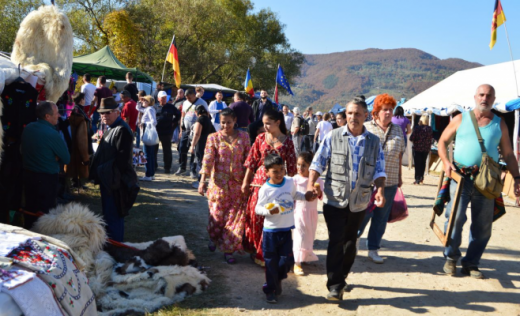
(11, 15)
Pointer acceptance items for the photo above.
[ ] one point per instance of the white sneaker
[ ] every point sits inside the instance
(153, 177)
(374, 256)
(146, 178)
(357, 246)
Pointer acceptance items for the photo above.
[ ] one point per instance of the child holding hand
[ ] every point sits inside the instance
(276, 202)
(305, 216)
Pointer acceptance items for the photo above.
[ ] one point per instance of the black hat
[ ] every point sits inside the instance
(107, 105)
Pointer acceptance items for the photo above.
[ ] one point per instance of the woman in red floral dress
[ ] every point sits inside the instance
(275, 140)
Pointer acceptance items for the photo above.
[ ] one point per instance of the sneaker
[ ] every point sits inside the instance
(193, 175)
(153, 177)
(473, 272)
(298, 269)
(271, 298)
(335, 295)
(450, 267)
(374, 256)
(180, 172)
(146, 179)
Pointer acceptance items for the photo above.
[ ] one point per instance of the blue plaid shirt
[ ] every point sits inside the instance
(357, 148)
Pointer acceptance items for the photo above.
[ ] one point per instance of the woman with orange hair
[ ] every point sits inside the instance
(392, 142)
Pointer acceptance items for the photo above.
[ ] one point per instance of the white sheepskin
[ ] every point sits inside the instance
(77, 226)
(44, 42)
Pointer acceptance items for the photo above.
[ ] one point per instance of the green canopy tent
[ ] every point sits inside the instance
(104, 63)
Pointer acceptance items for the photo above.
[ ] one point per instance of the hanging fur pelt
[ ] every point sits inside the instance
(44, 43)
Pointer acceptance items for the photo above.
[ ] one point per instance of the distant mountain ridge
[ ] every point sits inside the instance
(337, 77)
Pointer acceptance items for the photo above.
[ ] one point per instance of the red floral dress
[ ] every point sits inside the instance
(224, 161)
(255, 161)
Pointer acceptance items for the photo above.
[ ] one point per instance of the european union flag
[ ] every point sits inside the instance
(282, 80)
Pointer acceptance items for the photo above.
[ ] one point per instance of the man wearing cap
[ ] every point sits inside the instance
(167, 117)
(158, 88)
(129, 113)
(188, 119)
(112, 169)
(215, 107)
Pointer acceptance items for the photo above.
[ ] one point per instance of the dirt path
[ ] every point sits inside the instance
(409, 282)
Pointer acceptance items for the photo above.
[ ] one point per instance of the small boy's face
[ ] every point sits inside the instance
(276, 173)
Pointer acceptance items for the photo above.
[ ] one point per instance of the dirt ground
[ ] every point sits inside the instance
(409, 282)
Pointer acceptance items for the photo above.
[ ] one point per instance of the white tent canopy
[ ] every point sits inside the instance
(456, 92)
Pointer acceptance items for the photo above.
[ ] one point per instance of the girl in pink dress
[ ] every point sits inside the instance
(305, 216)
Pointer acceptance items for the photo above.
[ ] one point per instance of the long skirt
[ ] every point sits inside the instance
(305, 223)
(226, 216)
(254, 228)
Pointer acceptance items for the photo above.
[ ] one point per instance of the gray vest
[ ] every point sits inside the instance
(338, 192)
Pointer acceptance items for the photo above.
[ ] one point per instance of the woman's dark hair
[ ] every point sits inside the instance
(141, 93)
(399, 112)
(77, 97)
(306, 156)
(343, 114)
(272, 160)
(201, 110)
(228, 112)
(277, 116)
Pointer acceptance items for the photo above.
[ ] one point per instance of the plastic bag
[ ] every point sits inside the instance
(399, 208)
(150, 137)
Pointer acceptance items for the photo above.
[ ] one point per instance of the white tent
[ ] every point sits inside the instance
(456, 92)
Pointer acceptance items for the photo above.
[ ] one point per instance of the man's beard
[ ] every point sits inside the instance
(263, 98)
(484, 108)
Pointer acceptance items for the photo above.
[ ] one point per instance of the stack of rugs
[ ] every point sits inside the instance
(65, 267)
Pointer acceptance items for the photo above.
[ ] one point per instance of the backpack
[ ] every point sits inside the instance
(304, 126)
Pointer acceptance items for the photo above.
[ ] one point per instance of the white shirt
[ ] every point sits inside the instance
(88, 89)
(325, 127)
(282, 194)
(288, 120)
(213, 109)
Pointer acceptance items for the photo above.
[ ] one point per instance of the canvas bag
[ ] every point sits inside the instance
(488, 181)
(150, 137)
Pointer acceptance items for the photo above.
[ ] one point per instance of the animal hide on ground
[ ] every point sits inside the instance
(143, 287)
(44, 42)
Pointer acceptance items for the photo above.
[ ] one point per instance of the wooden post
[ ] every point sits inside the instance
(430, 152)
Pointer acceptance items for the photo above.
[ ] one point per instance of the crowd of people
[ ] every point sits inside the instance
(263, 169)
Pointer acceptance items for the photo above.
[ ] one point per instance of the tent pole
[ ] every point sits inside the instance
(430, 152)
(410, 154)
(512, 60)
(451, 144)
(515, 134)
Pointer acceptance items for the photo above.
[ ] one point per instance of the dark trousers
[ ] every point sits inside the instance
(307, 143)
(149, 152)
(343, 226)
(279, 259)
(11, 183)
(115, 224)
(184, 146)
(419, 159)
(41, 191)
(166, 143)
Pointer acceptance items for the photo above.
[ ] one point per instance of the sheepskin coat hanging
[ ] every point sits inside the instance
(44, 42)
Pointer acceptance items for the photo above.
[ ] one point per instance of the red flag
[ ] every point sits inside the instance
(276, 94)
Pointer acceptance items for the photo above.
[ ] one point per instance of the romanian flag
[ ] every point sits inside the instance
(173, 59)
(498, 19)
(248, 85)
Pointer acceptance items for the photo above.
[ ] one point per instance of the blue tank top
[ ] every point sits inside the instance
(467, 149)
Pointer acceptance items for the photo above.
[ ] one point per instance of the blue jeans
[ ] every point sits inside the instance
(137, 137)
(379, 220)
(149, 152)
(279, 259)
(115, 224)
(481, 224)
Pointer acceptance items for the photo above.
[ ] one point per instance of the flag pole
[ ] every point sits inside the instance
(517, 114)
(164, 67)
(512, 60)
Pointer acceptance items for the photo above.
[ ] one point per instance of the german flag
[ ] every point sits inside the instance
(498, 19)
(173, 59)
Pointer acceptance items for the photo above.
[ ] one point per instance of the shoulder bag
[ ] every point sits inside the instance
(488, 181)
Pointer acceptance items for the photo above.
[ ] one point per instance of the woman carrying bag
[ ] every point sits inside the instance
(150, 137)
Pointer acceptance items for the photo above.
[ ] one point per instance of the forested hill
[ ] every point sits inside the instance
(337, 77)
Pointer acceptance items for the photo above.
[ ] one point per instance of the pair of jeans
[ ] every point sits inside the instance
(379, 218)
(481, 223)
(115, 224)
(149, 152)
(419, 159)
(137, 137)
(343, 226)
(184, 147)
(41, 192)
(297, 144)
(166, 143)
(307, 143)
(279, 259)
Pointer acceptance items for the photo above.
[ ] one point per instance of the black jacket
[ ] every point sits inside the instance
(168, 117)
(112, 166)
(268, 106)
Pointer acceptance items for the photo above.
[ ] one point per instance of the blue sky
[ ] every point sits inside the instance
(443, 28)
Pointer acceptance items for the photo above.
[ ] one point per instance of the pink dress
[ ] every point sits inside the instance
(305, 222)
